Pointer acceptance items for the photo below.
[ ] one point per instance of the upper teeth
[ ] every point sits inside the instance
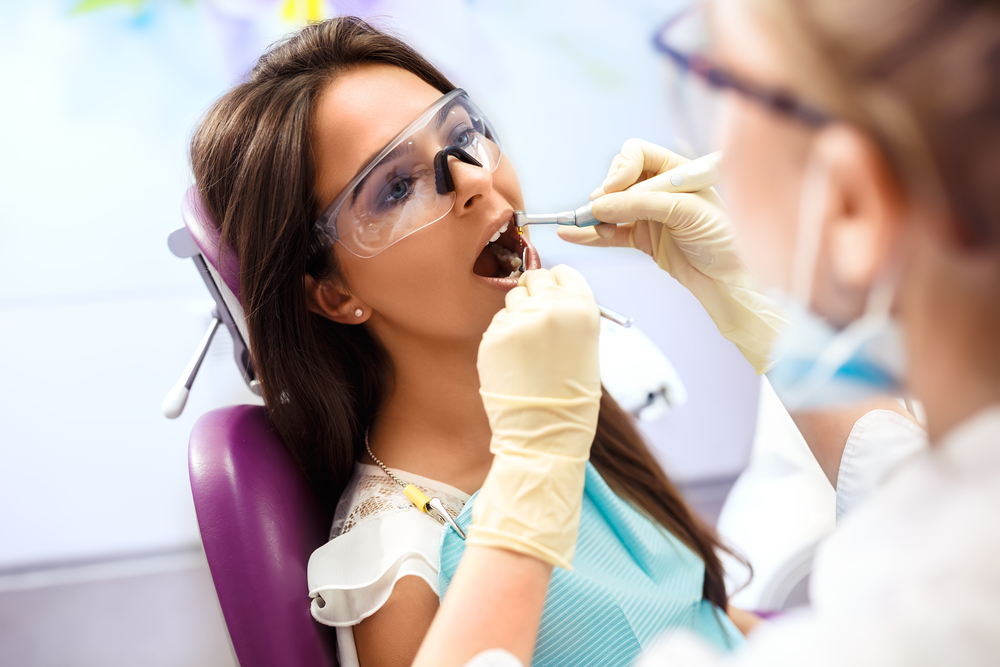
(499, 232)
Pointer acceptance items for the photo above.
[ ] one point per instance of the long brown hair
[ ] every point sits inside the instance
(324, 382)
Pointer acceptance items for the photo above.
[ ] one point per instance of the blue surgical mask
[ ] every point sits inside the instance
(820, 366)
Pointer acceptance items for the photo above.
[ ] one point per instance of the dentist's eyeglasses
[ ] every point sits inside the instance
(696, 83)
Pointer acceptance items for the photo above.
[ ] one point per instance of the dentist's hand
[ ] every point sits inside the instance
(689, 237)
(541, 386)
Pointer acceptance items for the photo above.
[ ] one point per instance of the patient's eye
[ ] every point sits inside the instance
(398, 190)
(464, 138)
(394, 194)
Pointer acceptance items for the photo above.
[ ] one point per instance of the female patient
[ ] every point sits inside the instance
(368, 277)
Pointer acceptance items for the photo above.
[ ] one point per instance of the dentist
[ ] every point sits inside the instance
(862, 174)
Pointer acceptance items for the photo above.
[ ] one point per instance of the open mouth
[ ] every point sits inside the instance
(502, 255)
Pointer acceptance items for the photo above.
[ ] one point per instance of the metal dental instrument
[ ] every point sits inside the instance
(617, 318)
(607, 313)
(694, 176)
(581, 217)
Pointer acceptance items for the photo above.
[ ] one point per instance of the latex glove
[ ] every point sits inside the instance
(689, 237)
(541, 386)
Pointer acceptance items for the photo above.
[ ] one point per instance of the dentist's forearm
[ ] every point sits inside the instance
(494, 601)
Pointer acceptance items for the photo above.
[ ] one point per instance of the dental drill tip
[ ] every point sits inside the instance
(519, 219)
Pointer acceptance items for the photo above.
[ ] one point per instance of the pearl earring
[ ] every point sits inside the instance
(358, 312)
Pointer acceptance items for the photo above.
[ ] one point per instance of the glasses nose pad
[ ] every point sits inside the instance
(442, 172)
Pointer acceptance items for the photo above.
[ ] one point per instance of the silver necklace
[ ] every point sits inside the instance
(432, 506)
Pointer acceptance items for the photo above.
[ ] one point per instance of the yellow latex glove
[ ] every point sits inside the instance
(541, 385)
(689, 237)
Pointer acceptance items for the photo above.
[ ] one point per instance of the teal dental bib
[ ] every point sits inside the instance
(631, 582)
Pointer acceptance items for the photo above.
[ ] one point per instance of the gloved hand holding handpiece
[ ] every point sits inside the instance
(541, 386)
(689, 237)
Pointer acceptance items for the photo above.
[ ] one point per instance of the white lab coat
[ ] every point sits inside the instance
(911, 577)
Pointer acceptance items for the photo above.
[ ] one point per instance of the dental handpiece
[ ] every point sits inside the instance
(694, 176)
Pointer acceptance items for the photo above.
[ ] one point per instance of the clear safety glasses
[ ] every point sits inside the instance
(696, 85)
(409, 185)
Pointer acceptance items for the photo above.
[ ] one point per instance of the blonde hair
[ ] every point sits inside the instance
(922, 77)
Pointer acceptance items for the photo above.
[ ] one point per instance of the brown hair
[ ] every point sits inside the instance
(324, 382)
(923, 78)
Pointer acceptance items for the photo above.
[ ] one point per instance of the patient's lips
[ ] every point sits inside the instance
(499, 261)
(533, 261)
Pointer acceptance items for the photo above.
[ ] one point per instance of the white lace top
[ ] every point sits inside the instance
(377, 538)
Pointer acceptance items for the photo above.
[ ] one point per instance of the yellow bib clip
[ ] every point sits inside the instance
(432, 506)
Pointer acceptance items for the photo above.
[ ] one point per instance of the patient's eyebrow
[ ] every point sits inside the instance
(445, 110)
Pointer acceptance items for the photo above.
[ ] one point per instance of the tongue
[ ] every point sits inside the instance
(486, 264)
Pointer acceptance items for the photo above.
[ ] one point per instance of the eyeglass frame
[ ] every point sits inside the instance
(775, 99)
(324, 235)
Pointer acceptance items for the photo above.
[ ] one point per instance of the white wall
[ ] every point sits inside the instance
(97, 319)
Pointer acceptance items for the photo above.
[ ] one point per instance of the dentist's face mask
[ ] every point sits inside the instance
(819, 366)
(409, 185)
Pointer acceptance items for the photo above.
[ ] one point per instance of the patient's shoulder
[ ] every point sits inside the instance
(378, 538)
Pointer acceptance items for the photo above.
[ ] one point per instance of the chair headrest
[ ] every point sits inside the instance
(206, 236)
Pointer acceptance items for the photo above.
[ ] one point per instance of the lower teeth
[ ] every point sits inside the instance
(504, 255)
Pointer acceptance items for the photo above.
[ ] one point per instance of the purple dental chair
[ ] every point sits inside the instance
(259, 520)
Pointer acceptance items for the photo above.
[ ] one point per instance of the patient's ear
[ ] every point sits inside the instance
(333, 303)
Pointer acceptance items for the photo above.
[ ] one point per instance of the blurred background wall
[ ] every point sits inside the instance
(97, 318)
